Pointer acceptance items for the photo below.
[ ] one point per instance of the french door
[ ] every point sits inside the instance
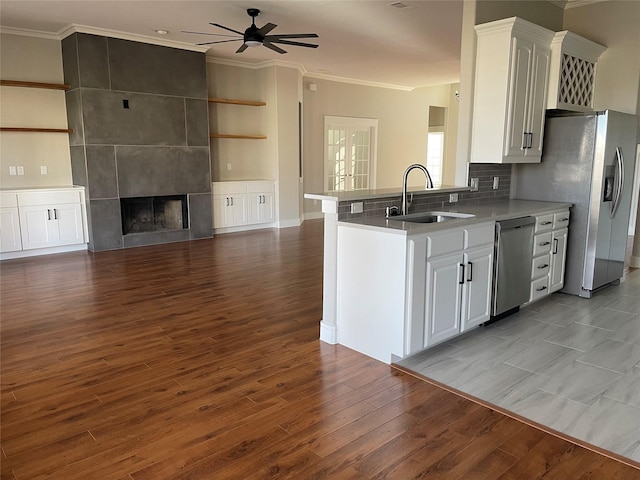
(350, 148)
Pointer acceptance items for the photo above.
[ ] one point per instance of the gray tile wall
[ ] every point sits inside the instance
(423, 201)
(140, 118)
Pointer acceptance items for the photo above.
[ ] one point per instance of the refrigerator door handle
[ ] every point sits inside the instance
(619, 186)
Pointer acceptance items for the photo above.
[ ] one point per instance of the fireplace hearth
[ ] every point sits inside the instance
(154, 214)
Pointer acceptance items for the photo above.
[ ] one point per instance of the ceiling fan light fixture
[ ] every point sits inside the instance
(253, 43)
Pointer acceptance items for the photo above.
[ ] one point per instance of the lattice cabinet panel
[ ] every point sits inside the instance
(572, 73)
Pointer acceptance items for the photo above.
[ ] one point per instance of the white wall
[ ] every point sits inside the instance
(402, 127)
(36, 60)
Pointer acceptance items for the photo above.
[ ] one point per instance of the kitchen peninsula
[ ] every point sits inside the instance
(381, 275)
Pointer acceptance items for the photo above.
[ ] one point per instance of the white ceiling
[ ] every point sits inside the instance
(365, 40)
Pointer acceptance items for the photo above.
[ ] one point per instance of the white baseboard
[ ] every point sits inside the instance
(634, 262)
(313, 215)
(328, 333)
(295, 222)
(42, 251)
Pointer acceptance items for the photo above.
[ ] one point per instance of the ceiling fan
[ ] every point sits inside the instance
(254, 36)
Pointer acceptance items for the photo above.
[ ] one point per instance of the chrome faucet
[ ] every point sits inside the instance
(405, 203)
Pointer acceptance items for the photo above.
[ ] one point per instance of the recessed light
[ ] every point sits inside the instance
(162, 32)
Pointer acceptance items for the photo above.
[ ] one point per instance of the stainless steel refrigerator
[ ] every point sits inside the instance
(588, 160)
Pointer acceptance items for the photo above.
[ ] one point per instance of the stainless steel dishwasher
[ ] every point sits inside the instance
(512, 268)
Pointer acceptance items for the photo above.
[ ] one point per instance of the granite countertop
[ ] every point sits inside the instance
(499, 210)
(381, 193)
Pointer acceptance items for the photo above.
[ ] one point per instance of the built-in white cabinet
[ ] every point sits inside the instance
(549, 254)
(398, 294)
(573, 71)
(239, 204)
(458, 287)
(40, 221)
(10, 240)
(511, 85)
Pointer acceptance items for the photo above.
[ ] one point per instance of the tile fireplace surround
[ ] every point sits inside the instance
(140, 129)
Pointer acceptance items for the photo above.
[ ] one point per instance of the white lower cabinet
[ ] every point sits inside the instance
(10, 240)
(458, 287)
(237, 204)
(41, 221)
(549, 254)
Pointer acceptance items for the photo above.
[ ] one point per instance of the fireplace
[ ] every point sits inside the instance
(154, 214)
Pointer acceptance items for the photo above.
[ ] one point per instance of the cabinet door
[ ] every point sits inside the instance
(70, 227)
(260, 208)
(558, 256)
(476, 292)
(518, 110)
(443, 295)
(38, 227)
(10, 230)
(538, 89)
(229, 211)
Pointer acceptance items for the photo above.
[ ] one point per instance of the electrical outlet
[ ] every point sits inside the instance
(496, 182)
(12, 170)
(20, 169)
(475, 183)
(453, 197)
(357, 207)
(228, 167)
(44, 170)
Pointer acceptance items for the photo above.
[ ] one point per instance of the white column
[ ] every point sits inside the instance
(328, 324)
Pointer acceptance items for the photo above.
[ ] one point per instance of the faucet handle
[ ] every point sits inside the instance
(392, 211)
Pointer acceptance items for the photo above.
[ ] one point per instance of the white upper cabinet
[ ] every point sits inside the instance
(573, 72)
(511, 85)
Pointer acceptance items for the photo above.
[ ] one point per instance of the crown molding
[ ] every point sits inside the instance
(303, 71)
(104, 32)
(29, 33)
(559, 3)
(581, 3)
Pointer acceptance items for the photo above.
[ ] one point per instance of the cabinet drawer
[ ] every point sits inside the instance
(479, 235)
(539, 288)
(540, 266)
(227, 188)
(541, 244)
(560, 220)
(448, 241)
(8, 200)
(260, 187)
(48, 198)
(544, 223)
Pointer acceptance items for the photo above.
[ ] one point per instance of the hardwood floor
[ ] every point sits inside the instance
(201, 360)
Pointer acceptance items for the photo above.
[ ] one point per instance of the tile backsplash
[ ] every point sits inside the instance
(485, 172)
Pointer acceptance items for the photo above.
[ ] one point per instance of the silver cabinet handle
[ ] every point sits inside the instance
(470, 272)
(540, 289)
(48, 214)
(540, 267)
(231, 200)
(55, 213)
(227, 201)
(544, 244)
(546, 223)
(461, 282)
(555, 246)
(563, 219)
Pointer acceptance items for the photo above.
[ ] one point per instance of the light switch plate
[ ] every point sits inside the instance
(44, 170)
(20, 169)
(496, 182)
(453, 197)
(12, 170)
(475, 183)
(357, 207)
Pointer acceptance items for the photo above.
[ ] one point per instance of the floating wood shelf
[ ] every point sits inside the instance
(248, 137)
(249, 103)
(20, 83)
(28, 129)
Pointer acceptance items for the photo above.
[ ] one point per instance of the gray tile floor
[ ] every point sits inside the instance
(566, 362)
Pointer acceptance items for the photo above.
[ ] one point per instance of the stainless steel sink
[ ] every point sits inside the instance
(430, 217)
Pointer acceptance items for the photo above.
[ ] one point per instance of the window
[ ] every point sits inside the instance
(350, 147)
(435, 156)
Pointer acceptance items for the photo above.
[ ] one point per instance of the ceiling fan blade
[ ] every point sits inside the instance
(226, 28)
(297, 44)
(267, 28)
(273, 47)
(220, 41)
(205, 33)
(242, 48)
(293, 35)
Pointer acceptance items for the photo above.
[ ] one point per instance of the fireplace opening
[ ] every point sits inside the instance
(154, 214)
